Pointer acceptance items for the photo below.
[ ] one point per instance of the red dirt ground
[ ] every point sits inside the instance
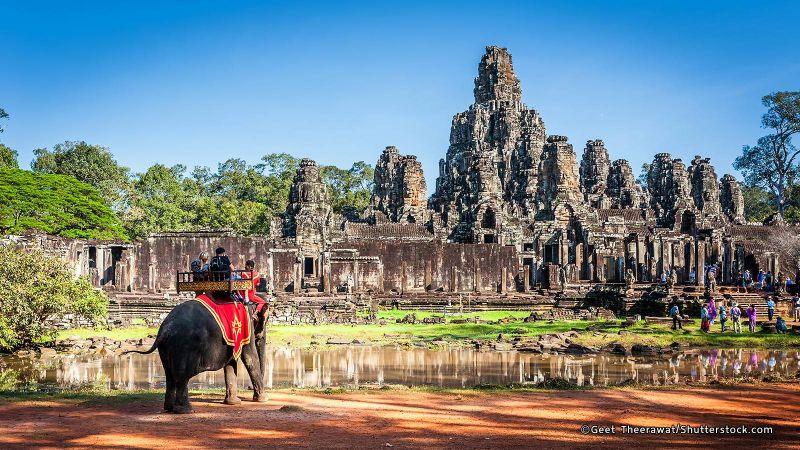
(406, 419)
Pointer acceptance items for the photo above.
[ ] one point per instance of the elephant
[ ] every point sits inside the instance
(189, 342)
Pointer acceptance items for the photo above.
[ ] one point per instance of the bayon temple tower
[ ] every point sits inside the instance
(510, 193)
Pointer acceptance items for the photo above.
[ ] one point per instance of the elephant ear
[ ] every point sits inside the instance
(260, 322)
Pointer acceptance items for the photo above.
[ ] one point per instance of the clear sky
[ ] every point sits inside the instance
(198, 82)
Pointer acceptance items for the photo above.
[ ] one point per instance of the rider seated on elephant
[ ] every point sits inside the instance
(200, 267)
(220, 266)
(250, 272)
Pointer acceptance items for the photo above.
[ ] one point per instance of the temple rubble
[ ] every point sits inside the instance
(511, 206)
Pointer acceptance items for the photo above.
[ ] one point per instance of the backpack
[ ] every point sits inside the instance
(220, 264)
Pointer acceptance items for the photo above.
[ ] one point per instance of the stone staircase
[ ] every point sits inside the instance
(126, 308)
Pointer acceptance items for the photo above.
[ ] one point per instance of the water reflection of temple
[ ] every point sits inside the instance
(455, 367)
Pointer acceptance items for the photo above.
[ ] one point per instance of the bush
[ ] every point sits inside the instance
(34, 289)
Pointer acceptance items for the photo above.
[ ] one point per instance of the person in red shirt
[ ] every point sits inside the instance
(250, 272)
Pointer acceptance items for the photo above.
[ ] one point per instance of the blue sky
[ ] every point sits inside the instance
(199, 82)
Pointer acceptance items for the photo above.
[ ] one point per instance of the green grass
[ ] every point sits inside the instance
(599, 333)
(394, 314)
(304, 335)
(117, 334)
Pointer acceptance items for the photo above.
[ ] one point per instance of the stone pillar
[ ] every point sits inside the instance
(503, 275)
(402, 277)
(269, 271)
(666, 248)
(428, 276)
(298, 276)
(325, 263)
(700, 263)
(356, 276)
(476, 276)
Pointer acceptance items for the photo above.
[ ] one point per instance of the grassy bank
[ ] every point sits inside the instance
(596, 334)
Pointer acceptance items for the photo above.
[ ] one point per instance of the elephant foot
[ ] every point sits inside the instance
(260, 398)
(183, 409)
(234, 400)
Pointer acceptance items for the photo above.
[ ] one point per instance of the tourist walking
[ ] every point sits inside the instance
(748, 279)
(723, 316)
(736, 315)
(796, 304)
(675, 313)
(751, 318)
(760, 279)
(712, 311)
(704, 326)
(768, 281)
(770, 308)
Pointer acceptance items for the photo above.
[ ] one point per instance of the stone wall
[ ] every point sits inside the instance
(157, 258)
(439, 266)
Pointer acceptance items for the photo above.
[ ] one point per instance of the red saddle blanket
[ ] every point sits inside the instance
(232, 318)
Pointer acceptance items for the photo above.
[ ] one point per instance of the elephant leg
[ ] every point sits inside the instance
(252, 363)
(169, 396)
(182, 405)
(231, 386)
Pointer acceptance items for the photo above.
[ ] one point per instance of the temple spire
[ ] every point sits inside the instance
(496, 80)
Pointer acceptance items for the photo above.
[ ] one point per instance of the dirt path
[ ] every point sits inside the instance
(400, 419)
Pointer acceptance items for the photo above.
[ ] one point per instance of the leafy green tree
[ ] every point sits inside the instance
(278, 170)
(642, 179)
(34, 290)
(161, 199)
(3, 115)
(772, 164)
(240, 196)
(757, 203)
(350, 188)
(8, 158)
(91, 164)
(54, 204)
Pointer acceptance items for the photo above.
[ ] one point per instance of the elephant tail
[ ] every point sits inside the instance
(147, 352)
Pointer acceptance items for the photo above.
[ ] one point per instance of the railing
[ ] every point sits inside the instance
(212, 281)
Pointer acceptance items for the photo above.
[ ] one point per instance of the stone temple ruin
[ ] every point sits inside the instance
(515, 221)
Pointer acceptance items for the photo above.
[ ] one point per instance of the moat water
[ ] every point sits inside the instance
(371, 366)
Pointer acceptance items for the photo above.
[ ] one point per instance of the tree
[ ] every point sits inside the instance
(772, 164)
(161, 199)
(278, 170)
(91, 164)
(34, 290)
(757, 203)
(3, 115)
(642, 179)
(349, 188)
(8, 158)
(54, 204)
